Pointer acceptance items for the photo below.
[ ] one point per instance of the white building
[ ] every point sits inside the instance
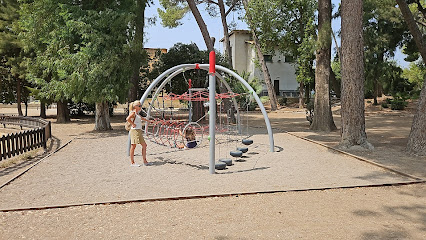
(283, 74)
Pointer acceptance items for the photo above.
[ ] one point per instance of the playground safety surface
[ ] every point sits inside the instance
(93, 169)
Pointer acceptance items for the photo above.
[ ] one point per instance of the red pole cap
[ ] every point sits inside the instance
(212, 61)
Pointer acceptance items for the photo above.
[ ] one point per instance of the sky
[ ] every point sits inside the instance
(158, 36)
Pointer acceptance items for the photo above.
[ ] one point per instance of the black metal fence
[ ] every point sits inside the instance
(20, 142)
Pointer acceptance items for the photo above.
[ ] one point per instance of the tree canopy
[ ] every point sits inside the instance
(180, 54)
(82, 49)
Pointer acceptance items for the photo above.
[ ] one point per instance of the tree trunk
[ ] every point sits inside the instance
(269, 86)
(412, 26)
(353, 119)
(62, 112)
(26, 108)
(417, 138)
(201, 24)
(228, 52)
(42, 109)
(375, 91)
(323, 118)
(265, 71)
(198, 106)
(102, 120)
(227, 103)
(18, 95)
(137, 48)
(301, 95)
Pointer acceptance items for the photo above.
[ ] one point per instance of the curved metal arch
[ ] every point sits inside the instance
(224, 69)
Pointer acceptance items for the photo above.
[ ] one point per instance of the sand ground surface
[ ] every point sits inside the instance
(301, 191)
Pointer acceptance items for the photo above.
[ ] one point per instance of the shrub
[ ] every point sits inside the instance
(385, 105)
(398, 103)
(282, 101)
(388, 100)
(264, 99)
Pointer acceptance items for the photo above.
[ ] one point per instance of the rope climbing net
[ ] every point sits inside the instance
(171, 132)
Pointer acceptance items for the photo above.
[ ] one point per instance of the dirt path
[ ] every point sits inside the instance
(360, 213)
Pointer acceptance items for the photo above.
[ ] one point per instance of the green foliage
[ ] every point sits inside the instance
(305, 71)
(384, 31)
(81, 108)
(184, 54)
(9, 43)
(174, 11)
(82, 51)
(415, 74)
(264, 99)
(246, 96)
(395, 83)
(335, 86)
(290, 26)
(410, 48)
(7, 83)
(399, 103)
(181, 54)
(11, 53)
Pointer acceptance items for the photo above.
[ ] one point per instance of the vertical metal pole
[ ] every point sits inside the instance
(129, 142)
(212, 110)
(190, 105)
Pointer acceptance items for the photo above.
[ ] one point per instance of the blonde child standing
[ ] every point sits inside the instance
(136, 134)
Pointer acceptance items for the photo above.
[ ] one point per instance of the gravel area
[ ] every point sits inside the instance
(94, 168)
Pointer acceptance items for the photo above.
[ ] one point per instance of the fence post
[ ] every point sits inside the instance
(21, 145)
(43, 136)
(27, 140)
(8, 146)
(3, 148)
(13, 143)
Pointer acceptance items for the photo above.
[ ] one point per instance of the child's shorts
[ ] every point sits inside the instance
(136, 136)
(191, 144)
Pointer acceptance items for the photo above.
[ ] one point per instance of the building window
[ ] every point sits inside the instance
(268, 58)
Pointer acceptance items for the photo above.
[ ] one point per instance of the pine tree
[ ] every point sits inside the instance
(12, 74)
(323, 119)
(353, 118)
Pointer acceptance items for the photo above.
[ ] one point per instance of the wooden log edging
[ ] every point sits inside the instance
(359, 158)
(17, 143)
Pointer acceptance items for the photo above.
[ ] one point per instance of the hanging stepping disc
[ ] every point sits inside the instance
(242, 149)
(226, 160)
(220, 166)
(247, 141)
(236, 153)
